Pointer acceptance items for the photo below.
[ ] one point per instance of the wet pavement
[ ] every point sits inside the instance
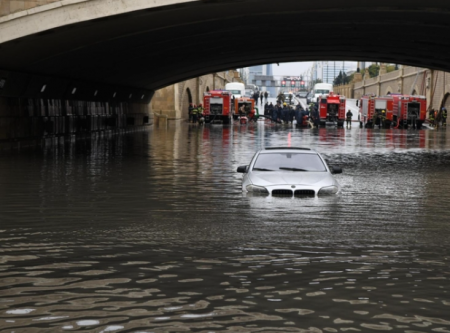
(150, 232)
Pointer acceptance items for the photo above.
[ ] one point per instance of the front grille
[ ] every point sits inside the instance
(309, 193)
(282, 192)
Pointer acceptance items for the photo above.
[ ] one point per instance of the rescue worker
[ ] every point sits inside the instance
(297, 115)
(191, 107)
(275, 113)
(383, 119)
(376, 119)
(314, 115)
(444, 117)
(431, 117)
(271, 107)
(280, 97)
(262, 97)
(242, 111)
(286, 110)
(251, 115)
(256, 97)
(290, 98)
(291, 114)
(349, 116)
(266, 95)
(199, 111)
(194, 114)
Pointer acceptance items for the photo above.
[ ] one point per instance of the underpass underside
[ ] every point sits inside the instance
(153, 48)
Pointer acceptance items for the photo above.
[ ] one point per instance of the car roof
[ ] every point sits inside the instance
(303, 150)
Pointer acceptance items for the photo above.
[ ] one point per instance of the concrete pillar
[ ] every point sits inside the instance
(400, 81)
(429, 91)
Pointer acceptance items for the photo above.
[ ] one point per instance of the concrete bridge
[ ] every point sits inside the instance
(122, 51)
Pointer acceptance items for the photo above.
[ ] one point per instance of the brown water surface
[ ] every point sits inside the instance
(150, 232)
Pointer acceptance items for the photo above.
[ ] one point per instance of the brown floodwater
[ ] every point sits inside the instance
(150, 232)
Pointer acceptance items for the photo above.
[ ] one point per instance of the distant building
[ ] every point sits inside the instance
(261, 70)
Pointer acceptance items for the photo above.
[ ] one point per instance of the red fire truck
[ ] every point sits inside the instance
(401, 111)
(369, 106)
(332, 109)
(217, 106)
(409, 111)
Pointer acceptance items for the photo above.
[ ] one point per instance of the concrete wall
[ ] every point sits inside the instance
(173, 101)
(344, 90)
(13, 6)
(407, 80)
(30, 121)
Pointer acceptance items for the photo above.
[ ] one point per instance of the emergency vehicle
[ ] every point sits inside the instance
(371, 105)
(401, 111)
(332, 109)
(409, 111)
(217, 106)
(249, 105)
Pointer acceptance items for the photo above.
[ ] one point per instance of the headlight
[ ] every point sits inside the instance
(328, 190)
(256, 189)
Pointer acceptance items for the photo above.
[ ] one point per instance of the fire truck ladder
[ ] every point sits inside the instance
(405, 115)
(371, 112)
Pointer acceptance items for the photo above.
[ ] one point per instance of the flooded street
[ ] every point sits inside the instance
(150, 232)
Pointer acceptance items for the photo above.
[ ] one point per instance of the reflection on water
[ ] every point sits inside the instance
(150, 232)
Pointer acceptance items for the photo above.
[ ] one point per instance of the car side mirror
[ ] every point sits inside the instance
(242, 169)
(335, 169)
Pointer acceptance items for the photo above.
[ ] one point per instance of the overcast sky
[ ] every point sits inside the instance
(300, 68)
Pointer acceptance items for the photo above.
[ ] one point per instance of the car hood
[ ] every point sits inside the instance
(291, 178)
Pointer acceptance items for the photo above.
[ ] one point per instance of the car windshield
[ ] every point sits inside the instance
(236, 92)
(289, 162)
(322, 91)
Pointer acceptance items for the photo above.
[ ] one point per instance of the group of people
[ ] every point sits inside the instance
(438, 117)
(283, 113)
(380, 120)
(260, 96)
(281, 98)
(195, 112)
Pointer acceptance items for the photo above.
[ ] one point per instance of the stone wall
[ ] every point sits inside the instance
(435, 85)
(344, 90)
(173, 101)
(13, 6)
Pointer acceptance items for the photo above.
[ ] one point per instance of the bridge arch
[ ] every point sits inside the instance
(389, 90)
(142, 45)
(186, 100)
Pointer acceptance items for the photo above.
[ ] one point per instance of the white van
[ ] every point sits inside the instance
(321, 89)
(236, 89)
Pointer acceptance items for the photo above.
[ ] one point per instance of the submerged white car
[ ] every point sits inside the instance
(289, 171)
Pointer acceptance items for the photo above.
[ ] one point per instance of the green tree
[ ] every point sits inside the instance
(350, 78)
(390, 68)
(343, 78)
(374, 70)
